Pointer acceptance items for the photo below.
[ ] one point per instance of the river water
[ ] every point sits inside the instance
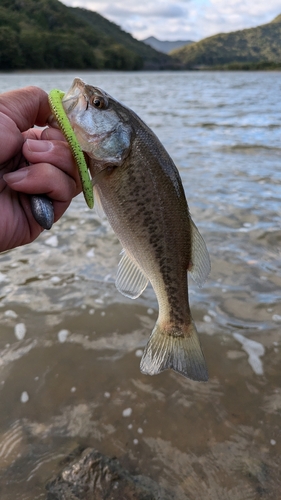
(70, 344)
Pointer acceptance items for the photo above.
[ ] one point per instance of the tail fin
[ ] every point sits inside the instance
(179, 351)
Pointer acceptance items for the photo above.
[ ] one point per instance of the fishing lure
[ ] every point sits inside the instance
(41, 205)
(55, 100)
(42, 210)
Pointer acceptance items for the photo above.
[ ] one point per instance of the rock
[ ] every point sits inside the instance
(89, 475)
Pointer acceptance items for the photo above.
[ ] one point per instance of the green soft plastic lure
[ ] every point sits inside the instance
(55, 100)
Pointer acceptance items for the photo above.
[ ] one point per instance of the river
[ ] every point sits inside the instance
(70, 344)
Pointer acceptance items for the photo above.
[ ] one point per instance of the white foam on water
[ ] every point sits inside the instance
(127, 412)
(139, 353)
(3, 277)
(10, 314)
(99, 301)
(207, 318)
(52, 241)
(254, 350)
(24, 397)
(20, 331)
(55, 279)
(62, 335)
(276, 317)
(91, 253)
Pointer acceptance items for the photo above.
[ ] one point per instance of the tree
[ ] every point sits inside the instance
(10, 52)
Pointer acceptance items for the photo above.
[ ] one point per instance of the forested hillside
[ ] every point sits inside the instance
(254, 48)
(45, 34)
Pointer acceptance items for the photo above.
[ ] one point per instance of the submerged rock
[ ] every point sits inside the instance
(89, 475)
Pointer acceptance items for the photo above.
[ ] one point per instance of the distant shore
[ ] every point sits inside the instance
(227, 67)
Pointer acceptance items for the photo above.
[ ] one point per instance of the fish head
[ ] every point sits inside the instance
(100, 123)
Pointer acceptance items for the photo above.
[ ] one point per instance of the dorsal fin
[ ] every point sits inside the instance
(130, 280)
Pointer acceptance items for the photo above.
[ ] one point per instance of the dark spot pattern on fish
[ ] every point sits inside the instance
(141, 211)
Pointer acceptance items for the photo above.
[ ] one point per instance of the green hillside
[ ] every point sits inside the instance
(45, 34)
(254, 48)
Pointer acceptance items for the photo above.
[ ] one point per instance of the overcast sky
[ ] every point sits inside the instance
(182, 19)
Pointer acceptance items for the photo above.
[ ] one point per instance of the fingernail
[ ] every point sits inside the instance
(38, 146)
(17, 176)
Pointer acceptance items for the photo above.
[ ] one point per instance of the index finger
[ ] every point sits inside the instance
(26, 107)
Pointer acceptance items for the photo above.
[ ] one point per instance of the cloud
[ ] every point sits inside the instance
(123, 9)
(182, 19)
(221, 16)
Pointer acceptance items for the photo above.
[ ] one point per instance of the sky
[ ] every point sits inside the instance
(182, 19)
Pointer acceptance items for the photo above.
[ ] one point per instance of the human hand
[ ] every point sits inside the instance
(51, 169)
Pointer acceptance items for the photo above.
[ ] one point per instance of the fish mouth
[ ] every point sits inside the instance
(73, 97)
(80, 94)
(95, 132)
(77, 98)
(80, 90)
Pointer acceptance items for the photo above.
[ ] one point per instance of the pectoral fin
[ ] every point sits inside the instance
(200, 261)
(98, 204)
(130, 280)
(95, 181)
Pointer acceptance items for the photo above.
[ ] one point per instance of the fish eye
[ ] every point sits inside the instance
(98, 102)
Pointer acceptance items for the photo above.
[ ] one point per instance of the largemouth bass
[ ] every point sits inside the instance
(138, 186)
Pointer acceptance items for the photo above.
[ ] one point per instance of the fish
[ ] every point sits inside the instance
(138, 187)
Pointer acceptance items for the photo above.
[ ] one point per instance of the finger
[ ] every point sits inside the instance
(48, 133)
(55, 152)
(32, 133)
(53, 134)
(43, 178)
(11, 138)
(26, 107)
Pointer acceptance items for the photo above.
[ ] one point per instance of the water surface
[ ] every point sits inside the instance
(69, 374)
